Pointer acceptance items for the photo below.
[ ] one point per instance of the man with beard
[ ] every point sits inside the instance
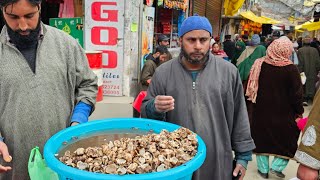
(204, 93)
(153, 61)
(45, 84)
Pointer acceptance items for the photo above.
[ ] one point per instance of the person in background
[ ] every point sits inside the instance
(299, 41)
(216, 50)
(153, 61)
(217, 40)
(289, 35)
(46, 84)
(245, 66)
(240, 47)
(163, 40)
(237, 38)
(229, 46)
(274, 84)
(308, 154)
(263, 41)
(245, 39)
(182, 92)
(309, 63)
(254, 43)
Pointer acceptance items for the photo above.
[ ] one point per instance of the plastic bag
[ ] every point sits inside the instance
(37, 167)
(138, 101)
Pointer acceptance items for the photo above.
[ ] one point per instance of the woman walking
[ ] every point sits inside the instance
(275, 91)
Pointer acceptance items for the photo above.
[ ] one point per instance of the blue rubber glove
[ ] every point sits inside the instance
(81, 113)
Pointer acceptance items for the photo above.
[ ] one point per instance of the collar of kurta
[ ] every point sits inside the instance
(4, 36)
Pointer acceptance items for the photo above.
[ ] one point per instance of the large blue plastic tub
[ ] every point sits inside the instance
(53, 145)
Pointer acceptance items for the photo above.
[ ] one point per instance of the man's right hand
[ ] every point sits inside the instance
(6, 157)
(164, 103)
(306, 173)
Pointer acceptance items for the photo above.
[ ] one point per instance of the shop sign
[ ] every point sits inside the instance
(176, 4)
(72, 26)
(104, 31)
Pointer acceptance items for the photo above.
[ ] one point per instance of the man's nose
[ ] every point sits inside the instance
(23, 24)
(198, 44)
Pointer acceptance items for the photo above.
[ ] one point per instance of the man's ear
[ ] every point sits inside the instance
(157, 54)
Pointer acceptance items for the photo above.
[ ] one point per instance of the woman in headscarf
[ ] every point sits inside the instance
(275, 91)
(258, 52)
(240, 47)
(255, 42)
(216, 50)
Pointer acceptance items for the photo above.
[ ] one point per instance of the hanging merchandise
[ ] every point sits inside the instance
(66, 9)
(149, 3)
(160, 2)
(176, 4)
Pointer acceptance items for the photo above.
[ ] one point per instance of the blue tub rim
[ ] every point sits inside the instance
(50, 149)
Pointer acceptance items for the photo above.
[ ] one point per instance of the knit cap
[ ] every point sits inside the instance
(255, 40)
(195, 23)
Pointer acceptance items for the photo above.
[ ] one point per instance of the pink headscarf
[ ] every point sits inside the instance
(278, 54)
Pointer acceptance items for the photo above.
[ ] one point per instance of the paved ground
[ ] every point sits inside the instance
(290, 171)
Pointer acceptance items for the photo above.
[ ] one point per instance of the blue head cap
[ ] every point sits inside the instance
(195, 23)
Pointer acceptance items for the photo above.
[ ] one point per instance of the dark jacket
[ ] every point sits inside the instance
(229, 47)
(147, 71)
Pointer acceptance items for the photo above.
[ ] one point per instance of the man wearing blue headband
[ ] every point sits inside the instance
(204, 93)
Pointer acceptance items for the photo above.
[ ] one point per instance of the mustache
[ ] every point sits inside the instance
(25, 31)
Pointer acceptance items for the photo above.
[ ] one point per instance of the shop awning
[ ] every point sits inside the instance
(231, 7)
(262, 20)
(310, 26)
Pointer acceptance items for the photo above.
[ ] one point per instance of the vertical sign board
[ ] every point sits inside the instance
(104, 31)
(147, 32)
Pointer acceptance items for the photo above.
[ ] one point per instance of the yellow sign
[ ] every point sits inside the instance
(66, 29)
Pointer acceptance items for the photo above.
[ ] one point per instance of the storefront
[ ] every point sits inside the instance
(212, 9)
(162, 17)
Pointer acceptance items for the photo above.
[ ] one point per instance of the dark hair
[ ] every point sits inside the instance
(161, 50)
(227, 36)
(245, 36)
(5, 3)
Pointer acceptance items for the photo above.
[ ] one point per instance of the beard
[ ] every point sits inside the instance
(194, 61)
(24, 41)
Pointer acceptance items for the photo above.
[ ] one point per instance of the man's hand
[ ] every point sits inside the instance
(239, 168)
(306, 173)
(7, 158)
(164, 103)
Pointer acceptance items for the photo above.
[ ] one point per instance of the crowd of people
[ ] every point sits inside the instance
(238, 108)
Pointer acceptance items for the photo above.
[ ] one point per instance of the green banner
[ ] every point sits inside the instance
(72, 26)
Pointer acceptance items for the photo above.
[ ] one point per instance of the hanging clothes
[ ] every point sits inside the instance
(66, 9)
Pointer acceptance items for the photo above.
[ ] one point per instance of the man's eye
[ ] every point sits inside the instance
(29, 16)
(14, 17)
(203, 39)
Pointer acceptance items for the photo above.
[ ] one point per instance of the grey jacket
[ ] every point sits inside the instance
(33, 107)
(214, 108)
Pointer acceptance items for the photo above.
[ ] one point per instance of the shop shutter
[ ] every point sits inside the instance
(199, 7)
(213, 13)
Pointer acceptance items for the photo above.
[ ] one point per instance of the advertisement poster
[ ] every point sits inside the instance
(104, 31)
(72, 26)
(147, 32)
